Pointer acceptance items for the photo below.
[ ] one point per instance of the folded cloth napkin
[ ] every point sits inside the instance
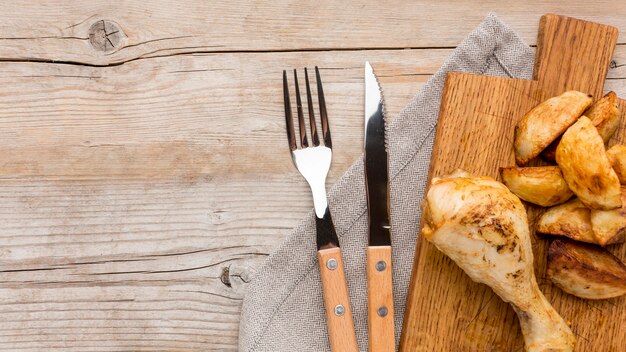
(283, 308)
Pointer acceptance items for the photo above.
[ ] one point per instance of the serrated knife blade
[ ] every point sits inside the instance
(380, 312)
(376, 175)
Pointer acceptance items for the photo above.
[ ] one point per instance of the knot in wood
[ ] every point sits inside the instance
(106, 36)
(225, 277)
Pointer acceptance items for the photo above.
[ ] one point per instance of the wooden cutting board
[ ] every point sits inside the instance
(446, 310)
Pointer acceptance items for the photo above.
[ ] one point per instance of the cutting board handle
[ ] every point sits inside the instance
(572, 54)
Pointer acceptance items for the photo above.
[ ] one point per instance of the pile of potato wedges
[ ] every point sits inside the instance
(584, 193)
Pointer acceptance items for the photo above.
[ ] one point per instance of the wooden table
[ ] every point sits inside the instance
(144, 170)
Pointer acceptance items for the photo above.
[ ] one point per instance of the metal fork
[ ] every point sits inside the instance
(313, 162)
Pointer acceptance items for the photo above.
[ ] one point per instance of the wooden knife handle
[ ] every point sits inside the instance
(337, 301)
(380, 300)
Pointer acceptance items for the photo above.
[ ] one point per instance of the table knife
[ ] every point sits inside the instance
(379, 281)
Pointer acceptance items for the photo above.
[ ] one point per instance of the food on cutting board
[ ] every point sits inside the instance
(586, 168)
(483, 227)
(617, 157)
(544, 123)
(576, 221)
(609, 226)
(593, 174)
(571, 219)
(544, 185)
(604, 114)
(586, 271)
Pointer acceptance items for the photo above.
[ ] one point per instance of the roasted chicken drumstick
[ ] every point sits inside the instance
(483, 228)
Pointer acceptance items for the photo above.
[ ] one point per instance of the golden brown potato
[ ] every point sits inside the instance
(609, 226)
(571, 219)
(586, 271)
(586, 167)
(542, 185)
(604, 114)
(617, 157)
(545, 122)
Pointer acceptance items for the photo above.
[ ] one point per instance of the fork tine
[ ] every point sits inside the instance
(323, 114)
(303, 141)
(314, 138)
(291, 134)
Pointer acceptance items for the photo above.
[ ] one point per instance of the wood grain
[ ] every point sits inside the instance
(380, 328)
(60, 30)
(135, 207)
(582, 64)
(475, 133)
(341, 332)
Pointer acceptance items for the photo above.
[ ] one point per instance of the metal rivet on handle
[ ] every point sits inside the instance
(381, 265)
(382, 311)
(339, 310)
(331, 264)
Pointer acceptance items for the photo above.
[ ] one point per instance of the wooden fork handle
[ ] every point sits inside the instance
(380, 300)
(337, 301)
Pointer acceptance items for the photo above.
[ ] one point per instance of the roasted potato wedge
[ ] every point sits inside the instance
(542, 185)
(571, 219)
(609, 226)
(585, 271)
(604, 114)
(617, 157)
(545, 122)
(586, 168)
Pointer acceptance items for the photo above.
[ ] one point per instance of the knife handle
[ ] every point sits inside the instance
(380, 300)
(336, 300)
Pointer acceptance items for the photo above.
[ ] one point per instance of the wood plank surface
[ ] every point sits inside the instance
(467, 316)
(134, 204)
(60, 30)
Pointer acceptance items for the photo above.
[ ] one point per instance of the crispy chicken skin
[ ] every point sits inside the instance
(483, 228)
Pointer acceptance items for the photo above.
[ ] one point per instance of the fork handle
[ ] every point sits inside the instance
(380, 300)
(336, 300)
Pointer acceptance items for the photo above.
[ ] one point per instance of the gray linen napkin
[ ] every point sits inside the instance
(283, 309)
